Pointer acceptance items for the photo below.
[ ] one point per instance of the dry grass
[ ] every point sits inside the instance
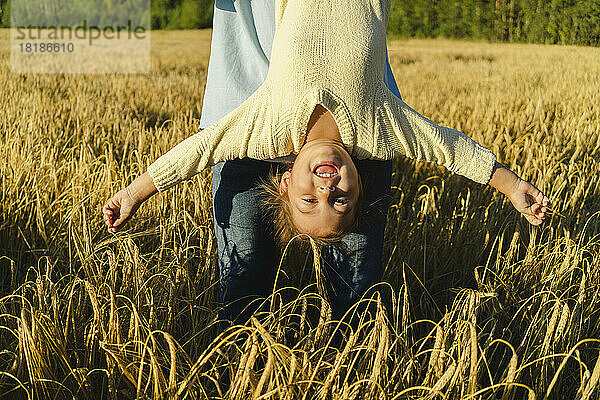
(479, 304)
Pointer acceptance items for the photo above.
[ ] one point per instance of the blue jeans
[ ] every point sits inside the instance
(248, 255)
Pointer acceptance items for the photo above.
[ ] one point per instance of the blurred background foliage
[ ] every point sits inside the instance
(533, 21)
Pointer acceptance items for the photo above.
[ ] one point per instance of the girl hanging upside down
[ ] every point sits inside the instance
(325, 101)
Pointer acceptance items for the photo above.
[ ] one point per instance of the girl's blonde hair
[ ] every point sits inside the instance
(277, 206)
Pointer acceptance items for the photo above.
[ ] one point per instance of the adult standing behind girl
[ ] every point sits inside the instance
(248, 253)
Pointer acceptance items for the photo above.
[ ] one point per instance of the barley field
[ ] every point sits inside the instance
(475, 303)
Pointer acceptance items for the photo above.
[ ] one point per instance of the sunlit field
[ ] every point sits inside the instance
(475, 303)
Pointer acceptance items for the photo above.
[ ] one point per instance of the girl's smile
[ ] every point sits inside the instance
(323, 186)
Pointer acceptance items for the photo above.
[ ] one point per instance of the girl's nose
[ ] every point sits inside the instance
(327, 188)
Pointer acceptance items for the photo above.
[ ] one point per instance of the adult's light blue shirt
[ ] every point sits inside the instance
(241, 43)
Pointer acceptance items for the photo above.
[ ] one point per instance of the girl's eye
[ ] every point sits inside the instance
(339, 200)
(310, 200)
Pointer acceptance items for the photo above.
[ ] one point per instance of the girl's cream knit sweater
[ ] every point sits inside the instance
(328, 52)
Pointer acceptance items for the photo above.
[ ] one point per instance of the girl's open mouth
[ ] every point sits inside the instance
(325, 169)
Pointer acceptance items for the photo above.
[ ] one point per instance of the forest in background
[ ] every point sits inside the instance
(533, 21)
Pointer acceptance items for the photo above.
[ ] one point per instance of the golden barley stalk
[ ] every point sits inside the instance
(241, 367)
(435, 353)
(379, 362)
(593, 382)
(173, 354)
(266, 372)
(562, 322)
(251, 359)
(337, 365)
(474, 359)
(443, 381)
(510, 375)
(551, 325)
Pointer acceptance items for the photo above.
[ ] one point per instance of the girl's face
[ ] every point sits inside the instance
(322, 188)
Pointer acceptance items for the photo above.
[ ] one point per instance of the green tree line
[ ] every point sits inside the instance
(534, 21)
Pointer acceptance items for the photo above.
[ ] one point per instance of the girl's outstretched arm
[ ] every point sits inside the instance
(244, 132)
(525, 197)
(406, 132)
(125, 203)
(420, 138)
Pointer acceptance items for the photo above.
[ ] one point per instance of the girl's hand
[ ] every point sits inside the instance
(119, 209)
(526, 198)
(529, 201)
(125, 203)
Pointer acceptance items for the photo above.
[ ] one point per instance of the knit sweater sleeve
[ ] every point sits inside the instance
(245, 132)
(280, 6)
(418, 137)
